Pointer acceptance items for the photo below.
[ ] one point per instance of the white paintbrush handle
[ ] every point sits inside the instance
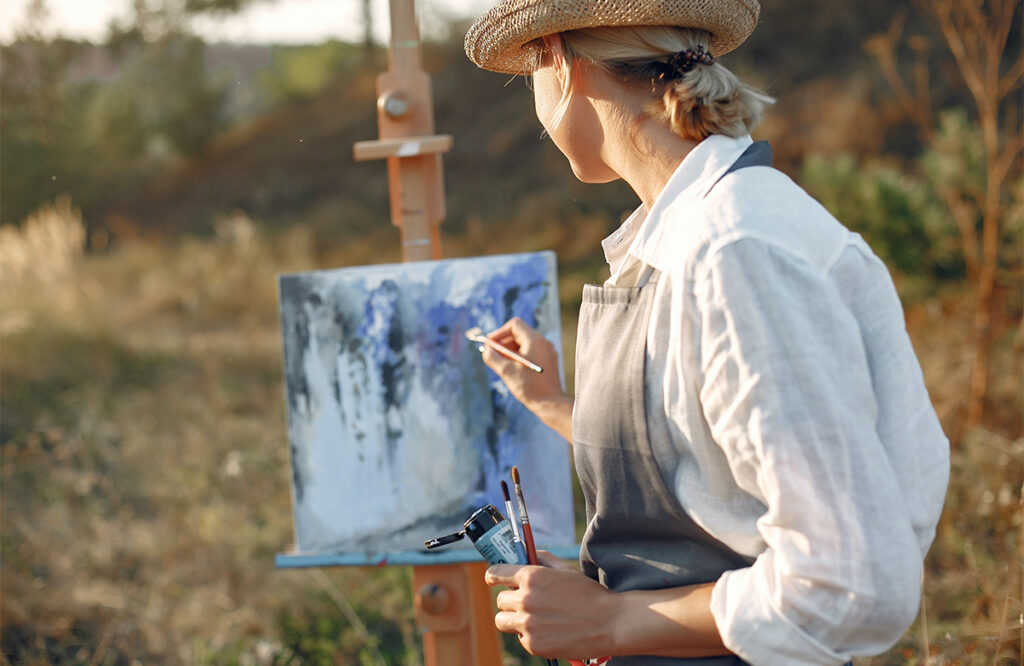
(505, 351)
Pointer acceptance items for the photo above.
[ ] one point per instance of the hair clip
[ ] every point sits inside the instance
(682, 62)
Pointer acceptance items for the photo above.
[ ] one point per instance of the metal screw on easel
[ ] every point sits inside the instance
(393, 103)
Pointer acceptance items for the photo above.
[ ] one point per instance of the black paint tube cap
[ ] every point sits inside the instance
(482, 521)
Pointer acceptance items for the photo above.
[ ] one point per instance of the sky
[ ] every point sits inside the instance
(266, 21)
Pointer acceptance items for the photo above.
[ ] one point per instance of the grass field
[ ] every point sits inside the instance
(145, 472)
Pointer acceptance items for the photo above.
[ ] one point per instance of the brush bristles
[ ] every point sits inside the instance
(515, 474)
(504, 490)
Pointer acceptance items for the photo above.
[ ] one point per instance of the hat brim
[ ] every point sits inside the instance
(504, 39)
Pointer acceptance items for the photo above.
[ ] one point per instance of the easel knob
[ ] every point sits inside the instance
(442, 598)
(394, 103)
(433, 598)
(453, 608)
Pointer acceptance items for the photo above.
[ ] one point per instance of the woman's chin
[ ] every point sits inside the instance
(593, 176)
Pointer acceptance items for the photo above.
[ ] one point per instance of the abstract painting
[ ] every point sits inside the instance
(398, 431)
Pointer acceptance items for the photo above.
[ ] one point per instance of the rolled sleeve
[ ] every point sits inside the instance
(787, 394)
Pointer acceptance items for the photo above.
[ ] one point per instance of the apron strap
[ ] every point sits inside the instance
(758, 153)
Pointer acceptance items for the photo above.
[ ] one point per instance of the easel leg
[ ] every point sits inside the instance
(453, 607)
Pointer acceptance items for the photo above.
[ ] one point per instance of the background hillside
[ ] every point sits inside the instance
(182, 132)
(153, 186)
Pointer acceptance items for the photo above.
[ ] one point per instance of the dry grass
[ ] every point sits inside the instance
(145, 473)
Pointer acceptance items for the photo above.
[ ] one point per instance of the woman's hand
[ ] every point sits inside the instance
(559, 612)
(555, 609)
(526, 385)
(541, 392)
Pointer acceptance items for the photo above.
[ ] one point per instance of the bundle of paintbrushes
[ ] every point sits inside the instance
(499, 540)
(523, 533)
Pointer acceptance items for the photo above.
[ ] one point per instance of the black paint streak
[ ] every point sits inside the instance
(297, 482)
(347, 342)
(294, 295)
(393, 378)
(386, 301)
(509, 301)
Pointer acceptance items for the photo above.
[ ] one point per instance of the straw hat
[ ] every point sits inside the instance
(499, 40)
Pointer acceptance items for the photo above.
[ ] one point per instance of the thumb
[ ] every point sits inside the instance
(502, 574)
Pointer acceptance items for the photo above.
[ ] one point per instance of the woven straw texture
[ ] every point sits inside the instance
(499, 40)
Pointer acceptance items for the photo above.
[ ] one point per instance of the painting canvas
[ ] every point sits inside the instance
(398, 430)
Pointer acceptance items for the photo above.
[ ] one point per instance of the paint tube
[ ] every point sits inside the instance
(490, 533)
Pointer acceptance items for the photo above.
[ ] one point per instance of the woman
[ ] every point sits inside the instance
(762, 468)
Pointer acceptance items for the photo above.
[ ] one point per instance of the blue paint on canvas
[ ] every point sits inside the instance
(398, 431)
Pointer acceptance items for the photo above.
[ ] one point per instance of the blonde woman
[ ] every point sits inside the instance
(762, 468)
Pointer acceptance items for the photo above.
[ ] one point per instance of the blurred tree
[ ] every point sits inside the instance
(976, 35)
(829, 36)
(300, 72)
(38, 123)
(900, 215)
(367, 27)
(67, 133)
(217, 6)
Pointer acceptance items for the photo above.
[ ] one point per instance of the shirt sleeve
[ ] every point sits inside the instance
(787, 394)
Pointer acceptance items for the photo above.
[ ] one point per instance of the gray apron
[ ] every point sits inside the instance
(638, 536)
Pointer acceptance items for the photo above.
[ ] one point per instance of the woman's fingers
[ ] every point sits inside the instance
(520, 330)
(510, 333)
(498, 362)
(526, 385)
(506, 623)
(505, 340)
(503, 574)
(508, 600)
(555, 612)
(517, 335)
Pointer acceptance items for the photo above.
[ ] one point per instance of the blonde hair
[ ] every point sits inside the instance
(708, 99)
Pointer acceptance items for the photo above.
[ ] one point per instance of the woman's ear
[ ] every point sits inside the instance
(554, 52)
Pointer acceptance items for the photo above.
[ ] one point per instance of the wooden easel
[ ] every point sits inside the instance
(452, 603)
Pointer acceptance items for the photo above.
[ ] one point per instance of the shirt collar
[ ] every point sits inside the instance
(617, 244)
(692, 179)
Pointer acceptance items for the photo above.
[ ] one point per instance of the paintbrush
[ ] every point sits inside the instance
(520, 549)
(524, 517)
(476, 334)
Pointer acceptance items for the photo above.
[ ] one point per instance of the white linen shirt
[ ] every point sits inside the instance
(801, 432)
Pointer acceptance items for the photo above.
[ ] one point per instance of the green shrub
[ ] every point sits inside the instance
(898, 213)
